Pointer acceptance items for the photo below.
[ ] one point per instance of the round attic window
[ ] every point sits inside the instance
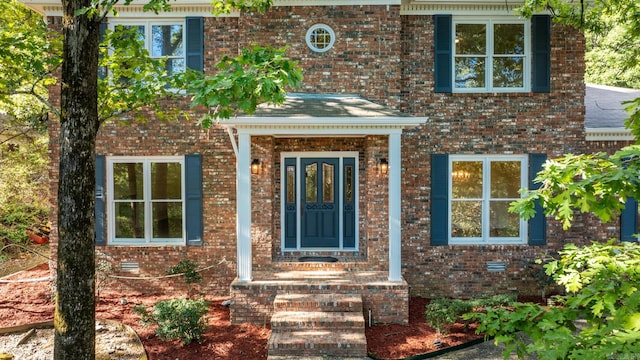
(320, 37)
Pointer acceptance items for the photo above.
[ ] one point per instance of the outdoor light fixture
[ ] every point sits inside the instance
(256, 167)
(383, 166)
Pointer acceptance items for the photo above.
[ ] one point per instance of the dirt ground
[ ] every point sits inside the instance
(30, 302)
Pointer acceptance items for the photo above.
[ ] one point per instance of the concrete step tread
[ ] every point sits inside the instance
(326, 341)
(326, 302)
(305, 316)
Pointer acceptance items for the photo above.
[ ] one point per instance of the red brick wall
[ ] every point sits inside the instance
(386, 58)
(493, 123)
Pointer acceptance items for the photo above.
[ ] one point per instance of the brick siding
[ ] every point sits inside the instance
(386, 58)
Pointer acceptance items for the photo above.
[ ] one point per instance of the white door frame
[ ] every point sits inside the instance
(318, 154)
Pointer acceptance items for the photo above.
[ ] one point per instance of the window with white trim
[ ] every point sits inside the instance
(320, 38)
(146, 200)
(481, 189)
(163, 39)
(491, 55)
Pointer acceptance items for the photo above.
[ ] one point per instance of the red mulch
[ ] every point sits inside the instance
(24, 303)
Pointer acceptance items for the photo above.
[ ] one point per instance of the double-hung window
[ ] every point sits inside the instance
(481, 189)
(146, 200)
(162, 39)
(491, 55)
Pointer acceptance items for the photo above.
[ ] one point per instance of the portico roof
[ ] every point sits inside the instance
(323, 114)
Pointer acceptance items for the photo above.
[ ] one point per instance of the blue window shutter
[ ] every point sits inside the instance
(195, 43)
(439, 199)
(193, 185)
(629, 221)
(537, 224)
(99, 201)
(541, 49)
(443, 53)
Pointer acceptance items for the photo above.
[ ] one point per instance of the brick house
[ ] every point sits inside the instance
(388, 173)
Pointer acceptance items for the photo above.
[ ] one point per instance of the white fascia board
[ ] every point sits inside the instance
(135, 9)
(334, 2)
(608, 134)
(322, 126)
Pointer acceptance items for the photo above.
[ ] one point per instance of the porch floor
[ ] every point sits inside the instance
(387, 301)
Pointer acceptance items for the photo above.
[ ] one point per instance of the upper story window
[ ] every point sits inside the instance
(163, 39)
(491, 55)
(146, 200)
(320, 38)
(481, 189)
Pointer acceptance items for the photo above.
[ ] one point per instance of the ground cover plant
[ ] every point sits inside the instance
(598, 318)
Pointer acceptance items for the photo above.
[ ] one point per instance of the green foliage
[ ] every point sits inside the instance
(188, 268)
(442, 313)
(259, 75)
(602, 298)
(613, 33)
(23, 190)
(180, 319)
(596, 183)
(135, 81)
(29, 57)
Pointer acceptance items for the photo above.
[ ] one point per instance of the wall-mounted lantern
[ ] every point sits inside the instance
(383, 166)
(256, 167)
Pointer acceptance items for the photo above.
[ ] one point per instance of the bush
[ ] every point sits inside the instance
(18, 218)
(187, 268)
(443, 313)
(24, 202)
(180, 319)
(603, 291)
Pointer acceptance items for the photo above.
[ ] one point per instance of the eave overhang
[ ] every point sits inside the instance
(321, 127)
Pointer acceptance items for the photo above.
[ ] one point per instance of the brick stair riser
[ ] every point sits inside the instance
(312, 324)
(350, 304)
(351, 324)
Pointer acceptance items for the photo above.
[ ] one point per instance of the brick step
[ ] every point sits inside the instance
(313, 302)
(317, 320)
(311, 342)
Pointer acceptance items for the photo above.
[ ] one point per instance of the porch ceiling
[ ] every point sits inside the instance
(322, 115)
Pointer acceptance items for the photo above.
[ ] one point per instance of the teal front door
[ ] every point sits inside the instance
(319, 207)
(319, 199)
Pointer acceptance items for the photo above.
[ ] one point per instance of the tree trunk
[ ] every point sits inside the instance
(75, 299)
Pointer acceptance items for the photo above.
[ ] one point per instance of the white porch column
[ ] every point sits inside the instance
(243, 207)
(395, 206)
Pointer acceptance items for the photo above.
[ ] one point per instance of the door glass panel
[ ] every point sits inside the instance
(311, 182)
(327, 183)
(291, 184)
(348, 184)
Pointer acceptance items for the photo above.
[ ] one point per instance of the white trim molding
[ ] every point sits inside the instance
(319, 126)
(608, 134)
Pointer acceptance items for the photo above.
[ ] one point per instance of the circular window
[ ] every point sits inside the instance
(320, 38)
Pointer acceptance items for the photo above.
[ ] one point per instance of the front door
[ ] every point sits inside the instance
(319, 209)
(319, 203)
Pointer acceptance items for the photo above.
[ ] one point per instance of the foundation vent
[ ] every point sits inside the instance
(130, 266)
(496, 266)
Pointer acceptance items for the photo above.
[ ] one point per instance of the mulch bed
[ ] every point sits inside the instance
(31, 302)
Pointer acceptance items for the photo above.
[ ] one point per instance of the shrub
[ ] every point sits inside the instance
(443, 313)
(187, 268)
(603, 291)
(180, 319)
